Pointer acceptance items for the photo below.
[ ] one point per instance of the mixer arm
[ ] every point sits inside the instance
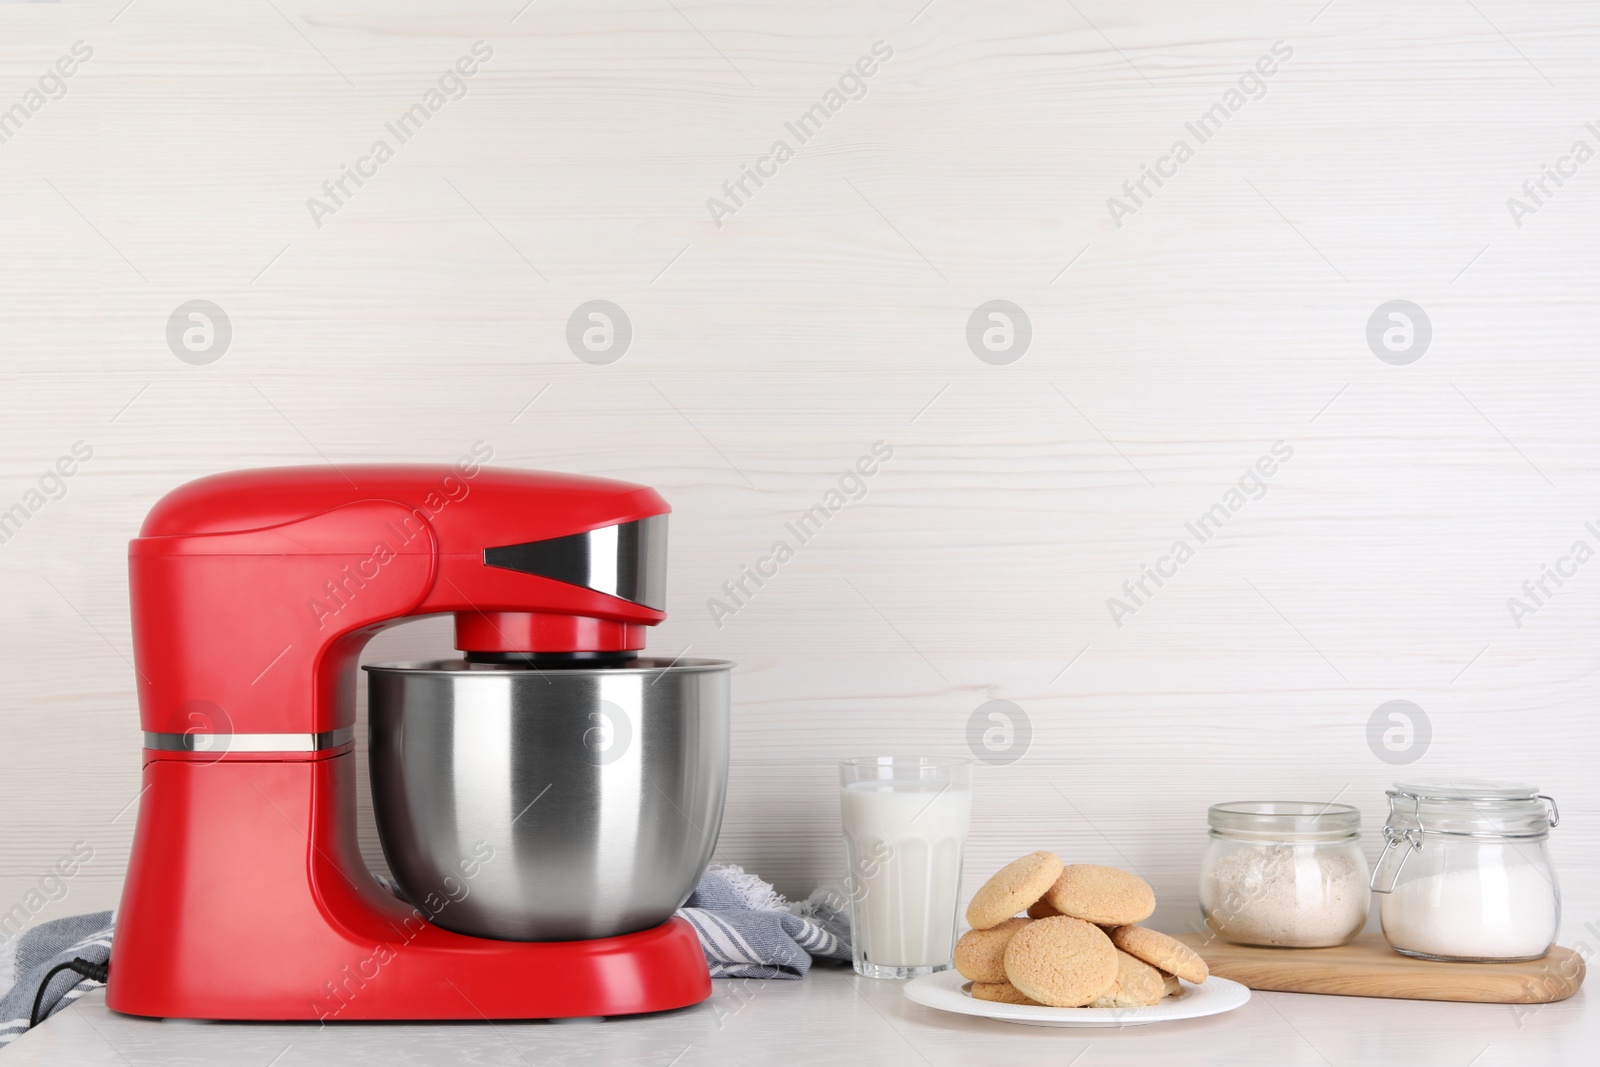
(233, 632)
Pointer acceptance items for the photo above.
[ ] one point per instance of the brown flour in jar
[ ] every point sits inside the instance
(1286, 897)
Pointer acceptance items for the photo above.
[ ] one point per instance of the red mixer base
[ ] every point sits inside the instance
(653, 970)
(247, 899)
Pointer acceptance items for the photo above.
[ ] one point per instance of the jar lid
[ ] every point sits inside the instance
(1467, 789)
(1469, 807)
(1284, 818)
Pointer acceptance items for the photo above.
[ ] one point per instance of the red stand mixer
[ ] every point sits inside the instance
(545, 801)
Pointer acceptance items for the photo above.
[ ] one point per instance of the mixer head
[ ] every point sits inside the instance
(627, 561)
(234, 571)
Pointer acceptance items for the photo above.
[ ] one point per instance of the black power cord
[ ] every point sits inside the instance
(94, 971)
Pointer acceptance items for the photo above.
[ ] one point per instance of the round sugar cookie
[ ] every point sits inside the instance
(980, 954)
(1000, 993)
(1138, 985)
(1013, 887)
(1103, 895)
(1163, 952)
(1041, 909)
(1061, 961)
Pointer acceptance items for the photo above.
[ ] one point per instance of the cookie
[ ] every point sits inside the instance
(1103, 895)
(1013, 887)
(1159, 950)
(980, 954)
(1000, 993)
(1174, 987)
(1041, 909)
(1061, 961)
(1138, 985)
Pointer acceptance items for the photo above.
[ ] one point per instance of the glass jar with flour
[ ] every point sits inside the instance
(1286, 874)
(1465, 872)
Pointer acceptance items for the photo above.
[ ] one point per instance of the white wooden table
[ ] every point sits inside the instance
(835, 1017)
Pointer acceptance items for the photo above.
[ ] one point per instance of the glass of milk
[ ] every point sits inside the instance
(905, 828)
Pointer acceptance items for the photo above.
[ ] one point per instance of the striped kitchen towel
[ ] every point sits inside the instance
(27, 958)
(748, 930)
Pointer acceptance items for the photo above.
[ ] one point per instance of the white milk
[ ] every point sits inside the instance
(904, 842)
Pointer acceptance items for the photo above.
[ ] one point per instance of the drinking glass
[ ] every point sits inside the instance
(905, 822)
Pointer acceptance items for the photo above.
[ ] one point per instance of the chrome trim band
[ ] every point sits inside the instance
(219, 743)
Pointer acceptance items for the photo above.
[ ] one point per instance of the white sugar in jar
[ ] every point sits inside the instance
(1465, 872)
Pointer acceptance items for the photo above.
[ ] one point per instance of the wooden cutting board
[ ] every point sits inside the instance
(1368, 967)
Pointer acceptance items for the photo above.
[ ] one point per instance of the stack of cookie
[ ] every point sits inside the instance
(1079, 945)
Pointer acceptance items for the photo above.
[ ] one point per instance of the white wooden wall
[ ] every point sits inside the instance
(1228, 312)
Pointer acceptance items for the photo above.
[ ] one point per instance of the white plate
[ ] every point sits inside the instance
(947, 991)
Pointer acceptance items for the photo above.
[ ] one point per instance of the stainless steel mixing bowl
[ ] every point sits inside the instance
(548, 805)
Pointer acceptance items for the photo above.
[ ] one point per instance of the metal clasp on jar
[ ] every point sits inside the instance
(1392, 838)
